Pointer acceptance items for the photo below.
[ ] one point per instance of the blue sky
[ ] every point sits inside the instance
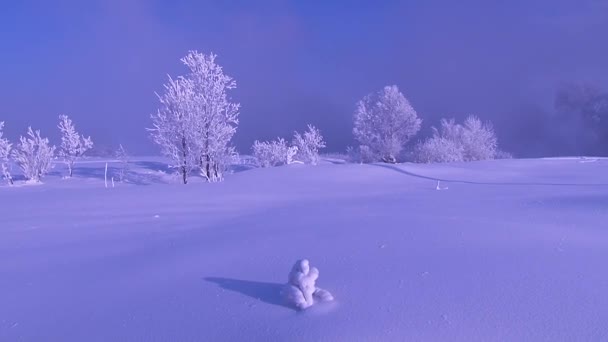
(295, 62)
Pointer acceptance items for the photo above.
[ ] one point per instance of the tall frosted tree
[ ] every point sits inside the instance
(73, 144)
(384, 123)
(216, 117)
(197, 120)
(5, 152)
(174, 126)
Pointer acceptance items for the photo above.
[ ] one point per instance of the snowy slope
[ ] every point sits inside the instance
(512, 250)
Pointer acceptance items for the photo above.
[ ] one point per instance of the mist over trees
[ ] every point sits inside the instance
(582, 117)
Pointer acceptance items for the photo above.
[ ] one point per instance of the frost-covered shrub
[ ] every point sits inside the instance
(478, 139)
(273, 153)
(500, 154)
(34, 155)
(438, 150)
(301, 290)
(73, 144)
(5, 152)
(454, 142)
(308, 145)
(384, 123)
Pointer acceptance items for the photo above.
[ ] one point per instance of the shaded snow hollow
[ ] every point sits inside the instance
(511, 250)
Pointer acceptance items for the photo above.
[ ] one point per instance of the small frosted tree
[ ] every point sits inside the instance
(5, 152)
(384, 123)
(308, 145)
(273, 153)
(73, 144)
(34, 155)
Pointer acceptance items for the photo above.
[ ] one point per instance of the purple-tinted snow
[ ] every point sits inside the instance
(512, 250)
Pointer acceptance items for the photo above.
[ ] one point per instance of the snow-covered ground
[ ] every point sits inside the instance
(512, 250)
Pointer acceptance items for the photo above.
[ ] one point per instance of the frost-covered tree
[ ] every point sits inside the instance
(216, 117)
(73, 144)
(174, 126)
(196, 121)
(273, 153)
(308, 145)
(5, 152)
(385, 122)
(454, 142)
(33, 155)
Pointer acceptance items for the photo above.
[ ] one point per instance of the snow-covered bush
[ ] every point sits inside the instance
(453, 142)
(500, 154)
(5, 152)
(438, 150)
(479, 140)
(196, 120)
(384, 123)
(123, 158)
(301, 290)
(273, 153)
(308, 145)
(34, 155)
(73, 144)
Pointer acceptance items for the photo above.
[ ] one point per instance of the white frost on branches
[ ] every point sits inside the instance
(308, 145)
(5, 152)
(73, 144)
(384, 123)
(301, 290)
(196, 120)
(34, 155)
(173, 126)
(304, 148)
(273, 153)
(453, 142)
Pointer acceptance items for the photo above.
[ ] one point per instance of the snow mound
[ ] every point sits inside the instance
(300, 290)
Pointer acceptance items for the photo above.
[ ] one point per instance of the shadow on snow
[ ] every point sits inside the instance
(266, 292)
(412, 174)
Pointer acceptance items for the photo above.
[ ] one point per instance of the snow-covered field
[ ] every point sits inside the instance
(512, 250)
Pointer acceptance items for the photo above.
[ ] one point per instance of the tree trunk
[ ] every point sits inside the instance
(184, 166)
(208, 166)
